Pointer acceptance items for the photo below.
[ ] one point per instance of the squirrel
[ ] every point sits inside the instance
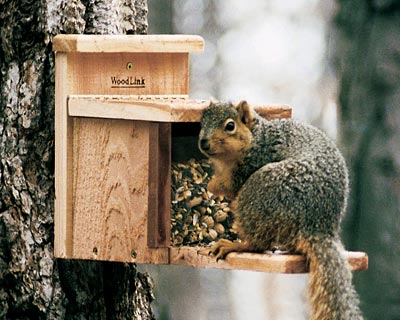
(289, 187)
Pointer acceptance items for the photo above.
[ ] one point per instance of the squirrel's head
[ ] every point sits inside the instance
(226, 129)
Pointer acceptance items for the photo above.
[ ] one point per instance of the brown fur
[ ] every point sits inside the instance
(228, 150)
(289, 184)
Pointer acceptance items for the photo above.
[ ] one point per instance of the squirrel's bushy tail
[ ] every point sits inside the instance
(330, 290)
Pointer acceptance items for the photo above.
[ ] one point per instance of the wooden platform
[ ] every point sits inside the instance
(274, 263)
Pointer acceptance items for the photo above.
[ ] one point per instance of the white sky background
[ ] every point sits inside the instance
(267, 52)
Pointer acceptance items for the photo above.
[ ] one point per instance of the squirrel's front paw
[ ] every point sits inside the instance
(223, 247)
(212, 186)
(220, 189)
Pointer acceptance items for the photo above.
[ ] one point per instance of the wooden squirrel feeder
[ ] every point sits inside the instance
(117, 100)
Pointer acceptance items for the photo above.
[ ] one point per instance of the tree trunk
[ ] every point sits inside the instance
(369, 70)
(34, 285)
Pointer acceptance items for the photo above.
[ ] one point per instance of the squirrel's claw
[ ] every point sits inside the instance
(220, 249)
(223, 247)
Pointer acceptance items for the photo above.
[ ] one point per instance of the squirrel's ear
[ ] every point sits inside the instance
(245, 113)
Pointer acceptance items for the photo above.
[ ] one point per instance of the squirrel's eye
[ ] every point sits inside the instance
(230, 126)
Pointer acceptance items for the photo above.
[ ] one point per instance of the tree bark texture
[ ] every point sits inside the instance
(34, 285)
(369, 70)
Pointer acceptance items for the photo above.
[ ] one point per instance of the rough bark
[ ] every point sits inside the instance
(369, 70)
(34, 285)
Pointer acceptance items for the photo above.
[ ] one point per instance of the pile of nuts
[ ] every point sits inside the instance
(197, 216)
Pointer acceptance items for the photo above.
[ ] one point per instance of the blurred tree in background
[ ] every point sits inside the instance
(368, 63)
(34, 285)
(366, 51)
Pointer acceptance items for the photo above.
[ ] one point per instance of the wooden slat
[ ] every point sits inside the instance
(154, 189)
(63, 163)
(274, 263)
(164, 180)
(127, 43)
(111, 191)
(108, 73)
(159, 212)
(358, 260)
(162, 109)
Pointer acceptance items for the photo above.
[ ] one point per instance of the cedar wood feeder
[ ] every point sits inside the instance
(117, 100)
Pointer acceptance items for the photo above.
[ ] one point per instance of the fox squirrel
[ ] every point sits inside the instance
(289, 186)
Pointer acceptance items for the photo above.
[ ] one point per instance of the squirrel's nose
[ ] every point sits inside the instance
(204, 144)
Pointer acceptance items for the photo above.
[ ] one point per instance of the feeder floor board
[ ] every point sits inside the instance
(264, 262)
(153, 108)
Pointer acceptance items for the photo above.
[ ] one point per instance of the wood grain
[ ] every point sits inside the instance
(63, 162)
(114, 109)
(159, 213)
(127, 43)
(276, 263)
(98, 216)
(152, 108)
(108, 73)
(111, 191)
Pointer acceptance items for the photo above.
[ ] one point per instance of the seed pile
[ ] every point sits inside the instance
(197, 216)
